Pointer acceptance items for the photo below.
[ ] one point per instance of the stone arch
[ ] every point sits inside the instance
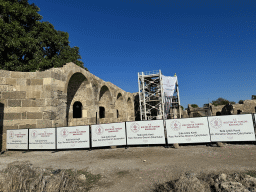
(130, 108)
(119, 105)
(218, 113)
(77, 89)
(105, 101)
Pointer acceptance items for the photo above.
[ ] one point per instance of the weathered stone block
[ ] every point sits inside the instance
(22, 82)
(56, 76)
(9, 127)
(11, 81)
(38, 103)
(36, 81)
(33, 94)
(24, 115)
(14, 103)
(27, 126)
(34, 115)
(2, 80)
(3, 88)
(26, 103)
(45, 123)
(11, 116)
(49, 115)
(14, 95)
(16, 74)
(5, 73)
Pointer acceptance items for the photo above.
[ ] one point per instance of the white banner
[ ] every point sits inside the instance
(73, 137)
(231, 128)
(17, 139)
(145, 132)
(108, 134)
(42, 138)
(189, 130)
(169, 85)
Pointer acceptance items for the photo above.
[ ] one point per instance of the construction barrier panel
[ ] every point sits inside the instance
(145, 132)
(108, 134)
(17, 139)
(73, 137)
(189, 130)
(231, 128)
(42, 138)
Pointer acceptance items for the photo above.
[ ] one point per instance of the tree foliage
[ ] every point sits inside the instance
(194, 105)
(221, 101)
(182, 107)
(241, 101)
(27, 44)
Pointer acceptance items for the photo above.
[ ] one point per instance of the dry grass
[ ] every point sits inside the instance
(21, 176)
(201, 183)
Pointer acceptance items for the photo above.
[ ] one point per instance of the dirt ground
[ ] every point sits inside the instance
(141, 168)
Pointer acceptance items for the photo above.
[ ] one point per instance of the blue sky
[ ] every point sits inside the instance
(210, 45)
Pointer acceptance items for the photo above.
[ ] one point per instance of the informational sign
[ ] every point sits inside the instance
(145, 132)
(189, 130)
(231, 128)
(42, 138)
(108, 134)
(169, 85)
(17, 139)
(73, 137)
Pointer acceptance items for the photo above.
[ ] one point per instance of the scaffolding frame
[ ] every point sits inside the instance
(152, 98)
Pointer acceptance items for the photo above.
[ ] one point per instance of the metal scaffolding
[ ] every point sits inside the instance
(152, 100)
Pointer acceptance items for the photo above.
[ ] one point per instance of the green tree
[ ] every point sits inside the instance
(27, 44)
(182, 107)
(241, 101)
(194, 105)
(221, 101)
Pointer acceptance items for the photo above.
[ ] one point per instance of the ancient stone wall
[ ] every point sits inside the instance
(46, 99)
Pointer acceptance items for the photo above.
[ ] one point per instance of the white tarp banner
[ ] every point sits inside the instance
(189, 130)
(108, 134)
(169, 85)
(73, 137)
(231, 128)
(42, 138)
(145, 132)
(17, 139)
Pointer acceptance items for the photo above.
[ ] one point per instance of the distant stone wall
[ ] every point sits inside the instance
(46, 99)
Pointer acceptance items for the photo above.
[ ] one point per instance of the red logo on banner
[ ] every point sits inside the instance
(11, 134)
(64, 132)
(34, 134)
(135, 127)
(99, 130)
(175, 125)
(216, 123)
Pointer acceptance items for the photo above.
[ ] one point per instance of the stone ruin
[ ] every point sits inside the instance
(248, 107)
(59, 97)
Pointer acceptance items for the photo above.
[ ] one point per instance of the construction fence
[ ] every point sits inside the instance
(226, 128)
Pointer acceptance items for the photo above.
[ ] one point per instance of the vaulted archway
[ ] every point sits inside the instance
(78, 92)
(105, 101)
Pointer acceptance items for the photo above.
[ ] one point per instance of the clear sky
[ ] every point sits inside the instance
(210, 45)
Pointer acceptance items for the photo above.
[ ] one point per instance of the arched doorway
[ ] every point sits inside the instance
(119, 105)
(77, 110)
(77, 90)
(218, 114)
(106, 112)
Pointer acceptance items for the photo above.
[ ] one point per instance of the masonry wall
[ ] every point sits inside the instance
(46, 99)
